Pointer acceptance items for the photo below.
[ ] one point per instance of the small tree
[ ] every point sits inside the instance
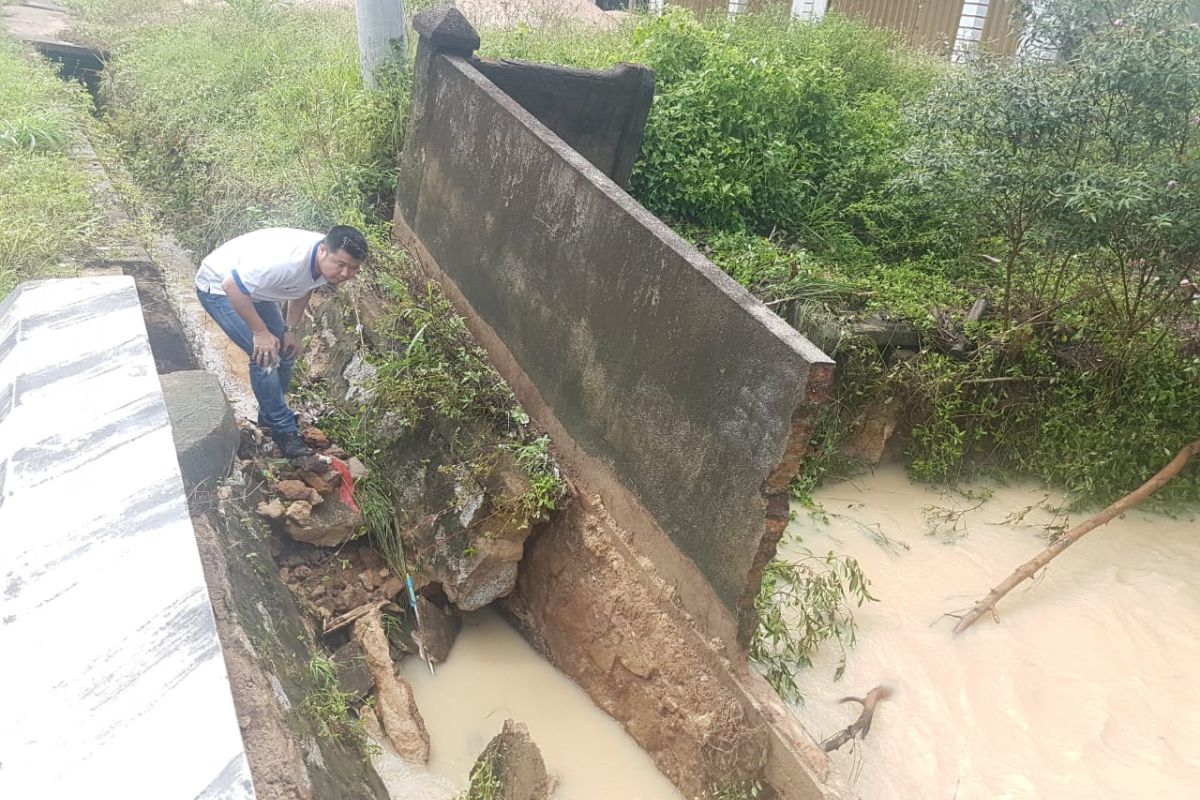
(1081, 169)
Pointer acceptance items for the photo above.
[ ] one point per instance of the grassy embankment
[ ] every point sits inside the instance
(44, 193)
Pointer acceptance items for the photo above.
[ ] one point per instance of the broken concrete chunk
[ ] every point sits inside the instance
(439, 629)
(516, 764)
(299, 512)
(394, 701)
(293, 490)
(271, 510)
(330, 524)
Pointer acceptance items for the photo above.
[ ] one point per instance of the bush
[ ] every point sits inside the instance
(760, 125)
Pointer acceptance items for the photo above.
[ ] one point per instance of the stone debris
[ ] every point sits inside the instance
(870, 443)
(299, 512)
(271, 510)
(315, 437)
(516, 764)
(439, 629)
(394, 700)
(298, 490)
(318, 483)
(330, 524)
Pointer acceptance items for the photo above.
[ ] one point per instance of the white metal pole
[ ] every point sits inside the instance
(381, 36)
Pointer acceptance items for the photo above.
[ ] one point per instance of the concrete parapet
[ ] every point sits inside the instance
(118, 686)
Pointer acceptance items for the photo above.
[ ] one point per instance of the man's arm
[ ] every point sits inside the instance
(266, 347)
(295, 315)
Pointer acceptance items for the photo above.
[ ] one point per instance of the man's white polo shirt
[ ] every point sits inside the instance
(272, 264)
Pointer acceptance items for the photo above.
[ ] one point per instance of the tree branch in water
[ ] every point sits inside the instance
(861, 726)
(1030, 568)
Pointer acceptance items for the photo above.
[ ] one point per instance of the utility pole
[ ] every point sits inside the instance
(381, 37)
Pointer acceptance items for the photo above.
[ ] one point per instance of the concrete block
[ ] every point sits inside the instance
(202, 425)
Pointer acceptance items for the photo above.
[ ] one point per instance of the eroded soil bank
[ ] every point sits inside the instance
(1085, 689)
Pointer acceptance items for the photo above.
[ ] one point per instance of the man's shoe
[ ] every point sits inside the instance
(291, 445)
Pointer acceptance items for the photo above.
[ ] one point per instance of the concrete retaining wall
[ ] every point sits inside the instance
(115, 680)
(666, 387)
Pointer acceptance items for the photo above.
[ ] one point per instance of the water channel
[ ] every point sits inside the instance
(492, 674)
(1087, 688)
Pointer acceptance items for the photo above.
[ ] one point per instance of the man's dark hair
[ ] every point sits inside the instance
(343, 237)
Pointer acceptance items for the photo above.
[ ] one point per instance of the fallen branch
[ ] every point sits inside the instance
(861, 726)
(1027, 570)
(353, 614)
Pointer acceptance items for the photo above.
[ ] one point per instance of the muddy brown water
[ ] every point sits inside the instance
(492, 674)
(1088, 687)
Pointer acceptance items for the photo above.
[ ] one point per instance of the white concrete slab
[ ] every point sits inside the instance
(112, 682)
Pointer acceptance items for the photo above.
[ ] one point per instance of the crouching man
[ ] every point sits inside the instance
(242, 283)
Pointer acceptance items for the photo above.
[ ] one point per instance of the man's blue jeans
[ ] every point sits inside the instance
(270, 386)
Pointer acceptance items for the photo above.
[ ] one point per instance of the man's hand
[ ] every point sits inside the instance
(266, 349)
(291, 344)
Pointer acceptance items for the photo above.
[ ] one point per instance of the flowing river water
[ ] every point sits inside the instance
(1087, 689)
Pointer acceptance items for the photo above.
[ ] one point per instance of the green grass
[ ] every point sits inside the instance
(253, 114)
(44, 194)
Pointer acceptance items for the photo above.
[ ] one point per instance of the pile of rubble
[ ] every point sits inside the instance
(362, 604)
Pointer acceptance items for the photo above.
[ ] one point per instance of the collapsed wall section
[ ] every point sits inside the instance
(665, 386)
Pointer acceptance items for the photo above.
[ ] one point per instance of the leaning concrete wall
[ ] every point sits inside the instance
(666, 386)
(600, 115)
(115, 682)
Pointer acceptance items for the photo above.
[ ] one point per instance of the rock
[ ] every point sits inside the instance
(299, 512)
(202, 424)
(394, 701)
(271, 510)
(361, 377)
(330, 524)
(516, 764)
(315, 437)
(358, 470)
(316, 482)
(353, 675)
(871, 440)
(293, 490)
(887, 333)
(439, 629)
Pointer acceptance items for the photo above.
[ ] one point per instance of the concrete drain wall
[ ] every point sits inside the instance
(116, 682)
